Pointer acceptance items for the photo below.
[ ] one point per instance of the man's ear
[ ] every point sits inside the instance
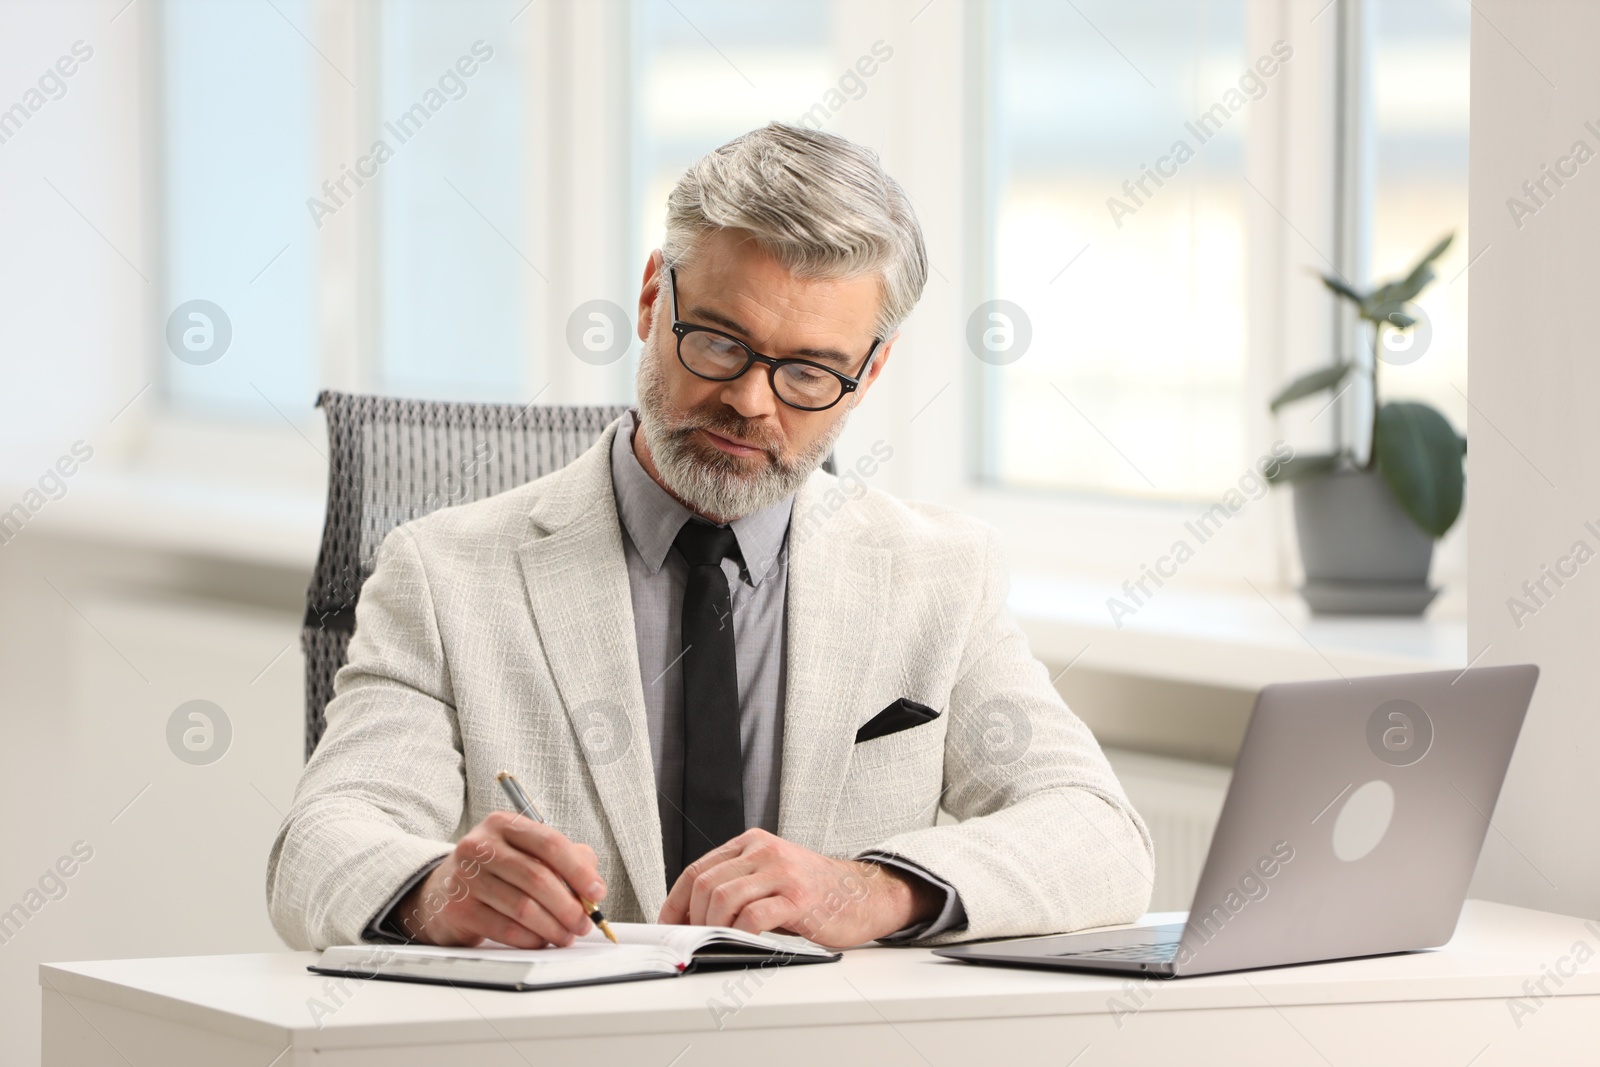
(649, 289)
(879, 358)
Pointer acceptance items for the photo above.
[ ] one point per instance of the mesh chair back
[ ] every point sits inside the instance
(391, 461)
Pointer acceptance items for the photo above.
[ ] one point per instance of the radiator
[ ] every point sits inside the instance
(1180, 801)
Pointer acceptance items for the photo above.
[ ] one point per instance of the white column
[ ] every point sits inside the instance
(1533, 480)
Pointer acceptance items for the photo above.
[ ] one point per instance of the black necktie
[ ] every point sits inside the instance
(713, 763)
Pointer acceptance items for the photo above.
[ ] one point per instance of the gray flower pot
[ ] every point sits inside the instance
(1362, 554)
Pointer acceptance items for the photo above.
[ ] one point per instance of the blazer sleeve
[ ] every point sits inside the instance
(384, 792)
(1047, 840)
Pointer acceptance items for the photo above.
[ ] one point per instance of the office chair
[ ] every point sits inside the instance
(391, 461)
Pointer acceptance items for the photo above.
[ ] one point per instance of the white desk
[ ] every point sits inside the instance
(879, 1006)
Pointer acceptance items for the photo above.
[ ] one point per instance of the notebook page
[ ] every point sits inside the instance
(494, 950)
(686, 940)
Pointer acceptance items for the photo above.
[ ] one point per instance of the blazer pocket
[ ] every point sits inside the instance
(903, 714)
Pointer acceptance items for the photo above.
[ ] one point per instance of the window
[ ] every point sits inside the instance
(1420, 89)
(1142, 181)
(708, 70)
(238, 128)
(454, 269)
(443, 207)
(1132, 283)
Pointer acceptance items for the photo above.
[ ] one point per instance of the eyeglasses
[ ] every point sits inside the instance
(717, 357)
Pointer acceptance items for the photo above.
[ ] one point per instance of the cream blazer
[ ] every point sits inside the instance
(499, 635)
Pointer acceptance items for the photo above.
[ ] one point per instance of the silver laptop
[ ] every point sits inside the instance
(1351, 828)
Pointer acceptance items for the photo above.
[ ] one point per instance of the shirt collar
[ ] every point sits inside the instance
(653, 517)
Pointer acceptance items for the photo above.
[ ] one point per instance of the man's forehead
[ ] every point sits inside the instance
(749, 292)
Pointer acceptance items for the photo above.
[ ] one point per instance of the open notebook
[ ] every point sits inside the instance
(647, 950)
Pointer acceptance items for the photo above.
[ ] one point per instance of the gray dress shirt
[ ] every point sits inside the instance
(758, 582)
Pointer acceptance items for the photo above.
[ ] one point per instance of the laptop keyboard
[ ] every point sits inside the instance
(1164, 952)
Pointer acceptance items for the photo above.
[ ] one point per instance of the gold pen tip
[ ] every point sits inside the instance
(502, 776)
(598, 917)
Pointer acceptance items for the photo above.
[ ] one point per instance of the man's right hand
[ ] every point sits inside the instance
(510, 879)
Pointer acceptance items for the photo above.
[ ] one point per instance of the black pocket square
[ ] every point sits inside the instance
(903, 714)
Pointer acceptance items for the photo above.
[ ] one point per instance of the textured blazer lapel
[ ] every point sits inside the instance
(835, 621)
(577, 583)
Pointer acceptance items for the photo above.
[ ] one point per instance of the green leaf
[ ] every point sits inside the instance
(1338, 286)
(1299, 468)
(1315, 382)
(1435, 252)
(1419, 457)
(1402, 291)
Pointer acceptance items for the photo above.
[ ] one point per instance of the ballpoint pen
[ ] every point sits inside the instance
(513, 789)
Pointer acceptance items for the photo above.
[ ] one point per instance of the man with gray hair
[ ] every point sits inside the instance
(741, 702)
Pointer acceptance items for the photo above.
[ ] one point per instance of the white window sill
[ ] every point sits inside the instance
(1232, 638)
(181, 517)
(1229, 638)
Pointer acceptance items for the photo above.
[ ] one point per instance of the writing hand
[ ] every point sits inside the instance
(510, 879)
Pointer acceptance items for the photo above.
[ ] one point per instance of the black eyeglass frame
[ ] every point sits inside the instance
(751, 357)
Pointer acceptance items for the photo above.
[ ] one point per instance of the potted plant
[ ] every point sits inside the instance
(1367, 528)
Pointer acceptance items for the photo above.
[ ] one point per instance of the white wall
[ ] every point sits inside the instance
(98, 645)
(1535, 378)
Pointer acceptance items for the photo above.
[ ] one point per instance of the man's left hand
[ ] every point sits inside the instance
(759, 882)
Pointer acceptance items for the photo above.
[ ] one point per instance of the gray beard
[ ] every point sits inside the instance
(707, 479)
